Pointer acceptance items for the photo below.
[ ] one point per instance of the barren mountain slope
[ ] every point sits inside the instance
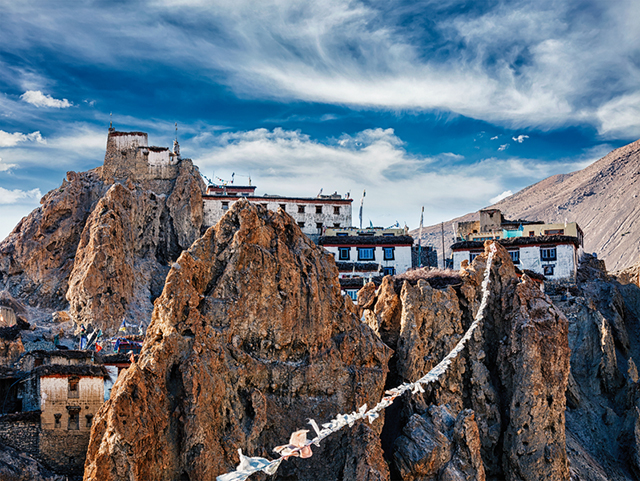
(602, 199)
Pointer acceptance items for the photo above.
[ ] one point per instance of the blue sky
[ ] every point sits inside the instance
(445, 104)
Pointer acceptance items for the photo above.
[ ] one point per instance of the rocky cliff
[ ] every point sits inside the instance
(499, 410)
(102, 248)
(249, 339)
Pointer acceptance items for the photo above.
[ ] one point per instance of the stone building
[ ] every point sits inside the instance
(313, 214)
(59, 394)
(367, 253)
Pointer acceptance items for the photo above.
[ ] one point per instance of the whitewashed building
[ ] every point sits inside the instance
(554, 256)
(362, 254)
(313, 214)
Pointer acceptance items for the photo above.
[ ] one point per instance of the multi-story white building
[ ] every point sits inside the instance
(367, 253)
(313, 214)
(554, 256)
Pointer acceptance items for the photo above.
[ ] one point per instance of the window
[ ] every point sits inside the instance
(301, 209)
(301, 224)
(554, 232)
(353, 294)
(515, 256)
(318, 209)
(57, 417)
(73, 387)
(389, 271)
(388, 253)
(473, 256)
(89, 418)
(283, 207)
(264, 205)
(74, 419)
(548, 253)
(342, 234)
(531, 233)
(336, 210)
(548, 269)
(388, 234)
(336, 225)
(225, 206)
(319, 227)
(344, 253)
(366, 254)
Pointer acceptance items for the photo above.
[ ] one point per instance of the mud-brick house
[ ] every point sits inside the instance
(68, 389)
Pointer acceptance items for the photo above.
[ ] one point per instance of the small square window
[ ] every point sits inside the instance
(389, 271)
(515, 256)
(366, 254)
(336, 210)
(548, 253)
(548, 270)
(301, 224)
(353, 294)
(336, 225)
(531, 233)
(319, 227)
(318, 209)
(225, 206)
(89, 418)
(57, 418)
(283, 207)
(344, 253)
(301, 209)
(388, 253)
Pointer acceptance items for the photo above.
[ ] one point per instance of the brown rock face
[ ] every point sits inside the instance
(101, 246)
(249, 340)
(500, 407)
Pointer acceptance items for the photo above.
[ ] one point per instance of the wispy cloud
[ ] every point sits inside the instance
(499, 197)
(520, 138)
(11, 139)
(4, 166)
(503, 147)
(19, 196)
(37, 98)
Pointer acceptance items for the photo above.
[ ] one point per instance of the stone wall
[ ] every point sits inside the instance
(64, 451)
(21, 434)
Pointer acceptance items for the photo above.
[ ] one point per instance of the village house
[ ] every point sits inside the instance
(551, 250)
(362, 254)
(312, 214)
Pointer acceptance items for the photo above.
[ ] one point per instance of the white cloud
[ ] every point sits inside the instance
(37, 98)
(19, 196)
(499, 197)
(398, 183)
(10, 140)
(5, 167)
(494, 138)
(520, 138)
(503, 147)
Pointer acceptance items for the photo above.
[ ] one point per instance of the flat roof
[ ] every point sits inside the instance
(396, 240)
(520, 241)
(269, 198)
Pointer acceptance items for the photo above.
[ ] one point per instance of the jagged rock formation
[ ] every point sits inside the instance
(603, 198)
(500, 407)
(102, 244)
(249, 339)
(603, 398)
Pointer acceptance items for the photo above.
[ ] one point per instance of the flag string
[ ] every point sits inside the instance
(299, 446)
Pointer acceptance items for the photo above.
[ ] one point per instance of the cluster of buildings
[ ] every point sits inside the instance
(49, 400)
(552, 250)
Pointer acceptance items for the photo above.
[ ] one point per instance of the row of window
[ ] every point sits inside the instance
(73, 423)
(546, 254)
(319, 226)
(366, 253)
(301, 208)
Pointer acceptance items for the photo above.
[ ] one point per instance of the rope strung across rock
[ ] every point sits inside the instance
(299, 446)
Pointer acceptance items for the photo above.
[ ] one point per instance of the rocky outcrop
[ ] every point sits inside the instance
(249, 339)
(102, 247)
(17, 466)
(500, 407)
